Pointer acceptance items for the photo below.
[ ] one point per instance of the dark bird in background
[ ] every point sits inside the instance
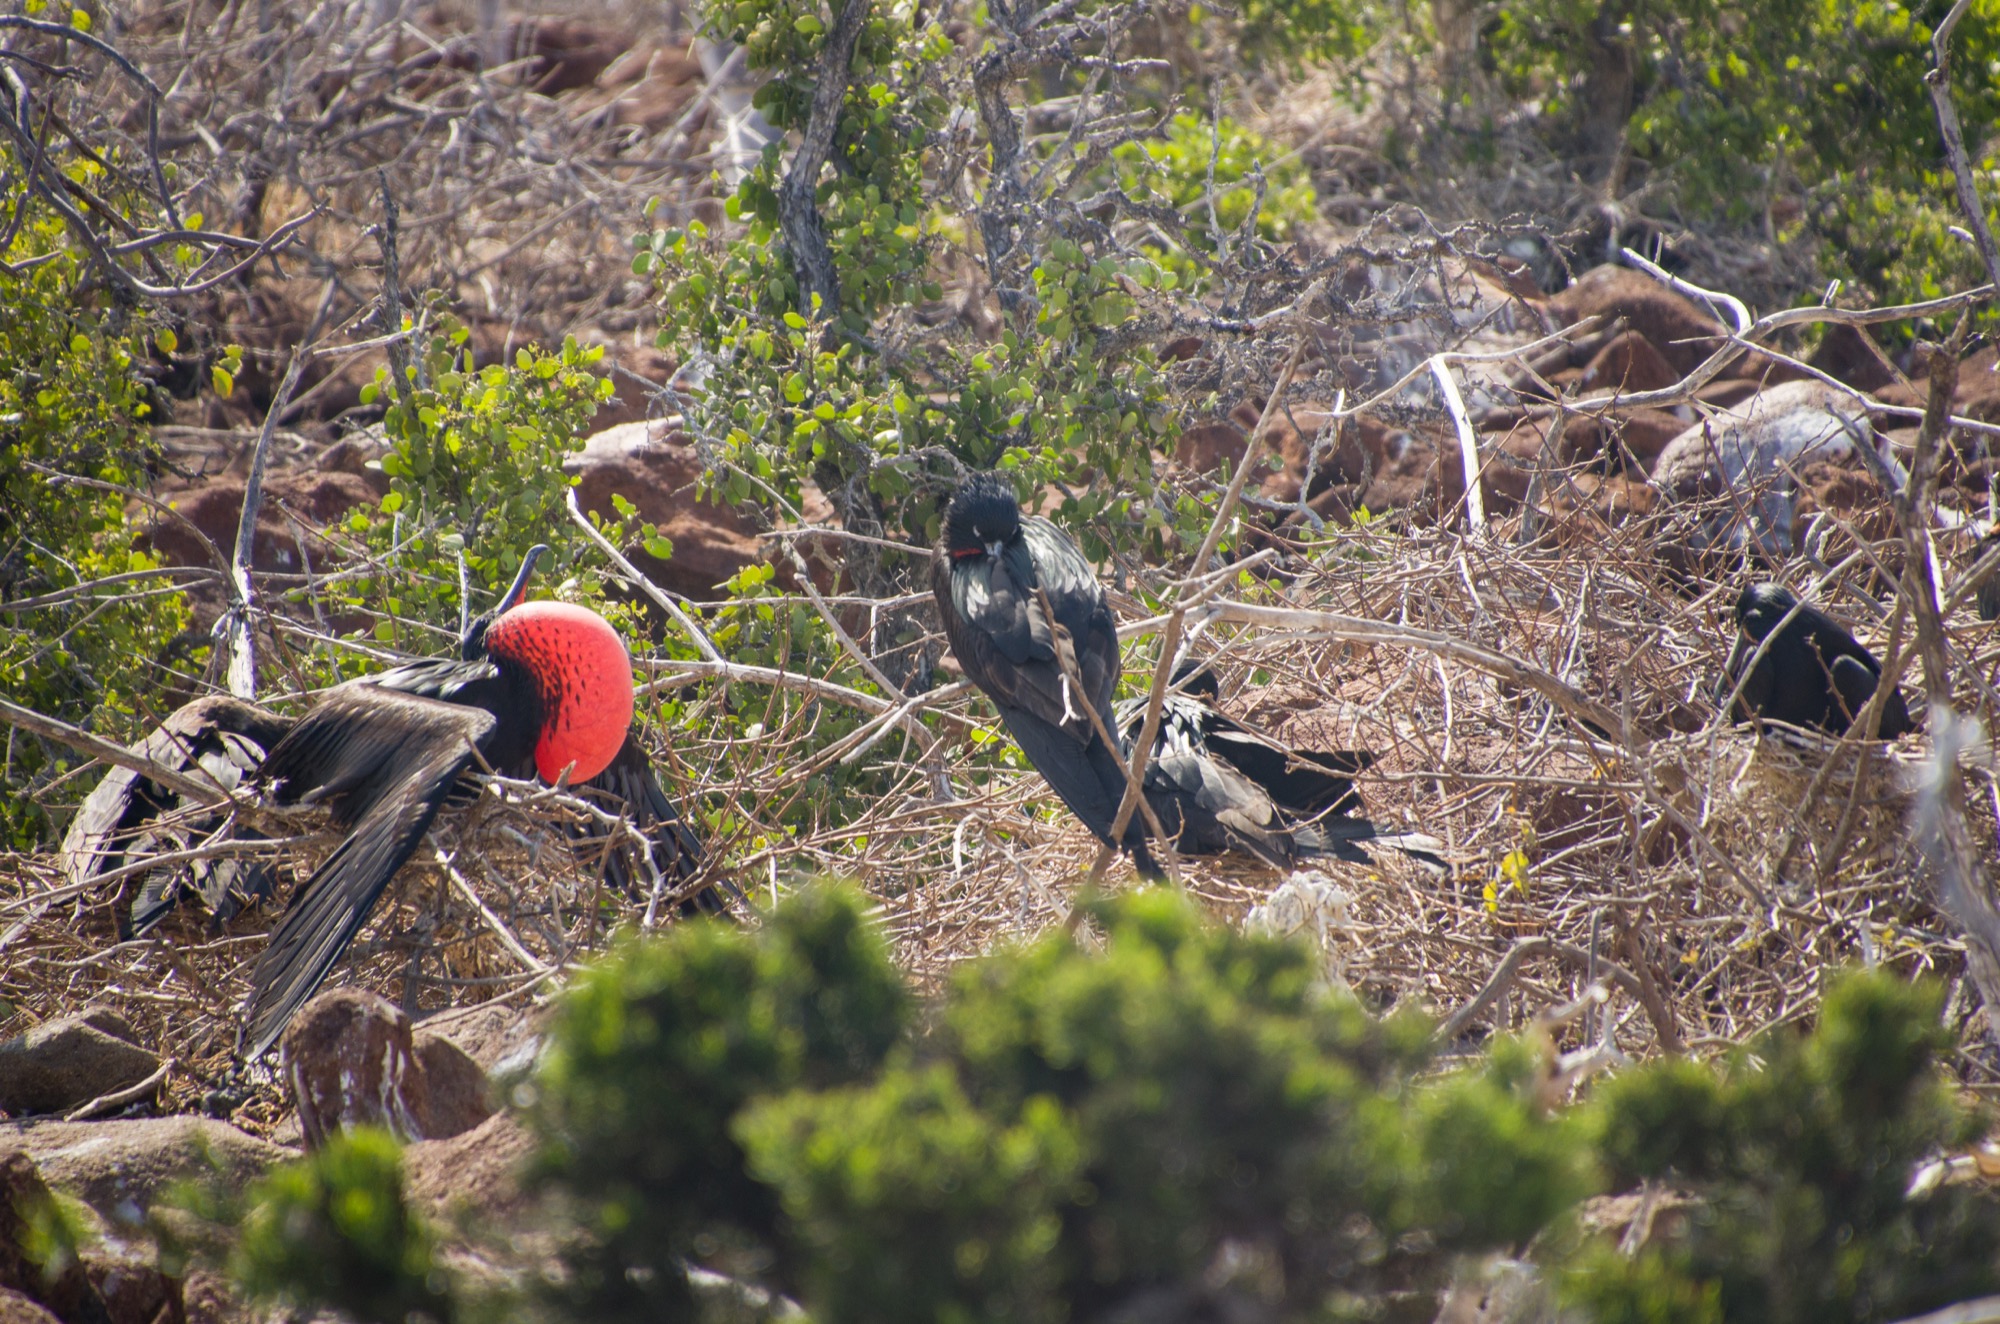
(129, 817)
(541, 688)
(986, 574)
(1988, 595)
(1218, 785)
(1812, 674)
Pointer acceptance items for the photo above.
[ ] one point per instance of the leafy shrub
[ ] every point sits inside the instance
(1800, 1154)
(1178, 166)
(654, 1054)
(1068, 1132)
(74, 401)
(334, 1230)
(1809, 118)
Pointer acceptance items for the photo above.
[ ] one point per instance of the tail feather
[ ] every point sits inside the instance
(1341, 837)
(1090, 779)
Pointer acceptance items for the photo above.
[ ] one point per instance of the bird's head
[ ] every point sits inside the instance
(1761, 607)
(1194, 677)
(473, 646)
(984, 517)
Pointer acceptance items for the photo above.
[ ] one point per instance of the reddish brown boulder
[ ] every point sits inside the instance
(654, 466)
(1683, 334)
(283, 545)
(351, 1060)
(1679, 329)
(1629, 363)
(1843, 352)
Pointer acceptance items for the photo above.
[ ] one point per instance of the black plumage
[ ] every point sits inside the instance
(128, 817)
(1218, 785)
(1204, 804)
(1303, 782)
(989, 574)
(385, 753)
(1988, 596)
(1812, 672)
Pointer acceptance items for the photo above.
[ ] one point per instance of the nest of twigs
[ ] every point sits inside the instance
(1707, 876)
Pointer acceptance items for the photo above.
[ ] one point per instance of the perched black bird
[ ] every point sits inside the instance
(1216, 785)
(986, 574)
(129, 817)
(1812, 674)
(539, 688)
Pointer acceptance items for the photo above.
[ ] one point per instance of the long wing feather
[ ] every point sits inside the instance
(397, 756)
(630, 787)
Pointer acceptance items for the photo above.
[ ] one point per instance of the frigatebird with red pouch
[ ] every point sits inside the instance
(540, 688)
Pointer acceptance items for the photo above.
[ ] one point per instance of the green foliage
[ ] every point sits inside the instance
(1188, 1110)
(1177, 166)
(73, 402)
(334, 1231)
(475, 469)
(881, 415)
(1805, 119)
(1293, 32)
(970, 1202)
(658, 1049)
(1801, 1155)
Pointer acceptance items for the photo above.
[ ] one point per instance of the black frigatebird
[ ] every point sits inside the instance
(128, 816)
(540, 688)
(1988, 596)
(1216, 784)
(1812, 673)
(990, 574)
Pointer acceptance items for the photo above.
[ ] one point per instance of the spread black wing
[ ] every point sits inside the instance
(1305, 782)
(1204, 804)
(673, 851)
(384, 761)
(1005, 644)
(127, 816)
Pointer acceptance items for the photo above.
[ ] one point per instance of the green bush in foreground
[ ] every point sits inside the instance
(1179, 1120)
(1800, 1154)
(1187, 1113)
(334, 1230)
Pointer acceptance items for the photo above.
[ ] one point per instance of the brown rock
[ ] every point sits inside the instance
(479, 1170)
(502, 1039)
(18, 1309)
(207, 1298)
(132, 1288)
(1843, 352)
(317, 497)
(1683, 334)
(119, 1167)
(351, 1060)
(655, 467)
(65, 1288)
(68, 1062)
(1629, 363)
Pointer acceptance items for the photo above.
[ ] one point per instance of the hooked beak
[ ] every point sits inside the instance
(993, 549)
(518, 593)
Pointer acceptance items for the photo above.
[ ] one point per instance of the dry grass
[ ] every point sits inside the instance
(1708, 876)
